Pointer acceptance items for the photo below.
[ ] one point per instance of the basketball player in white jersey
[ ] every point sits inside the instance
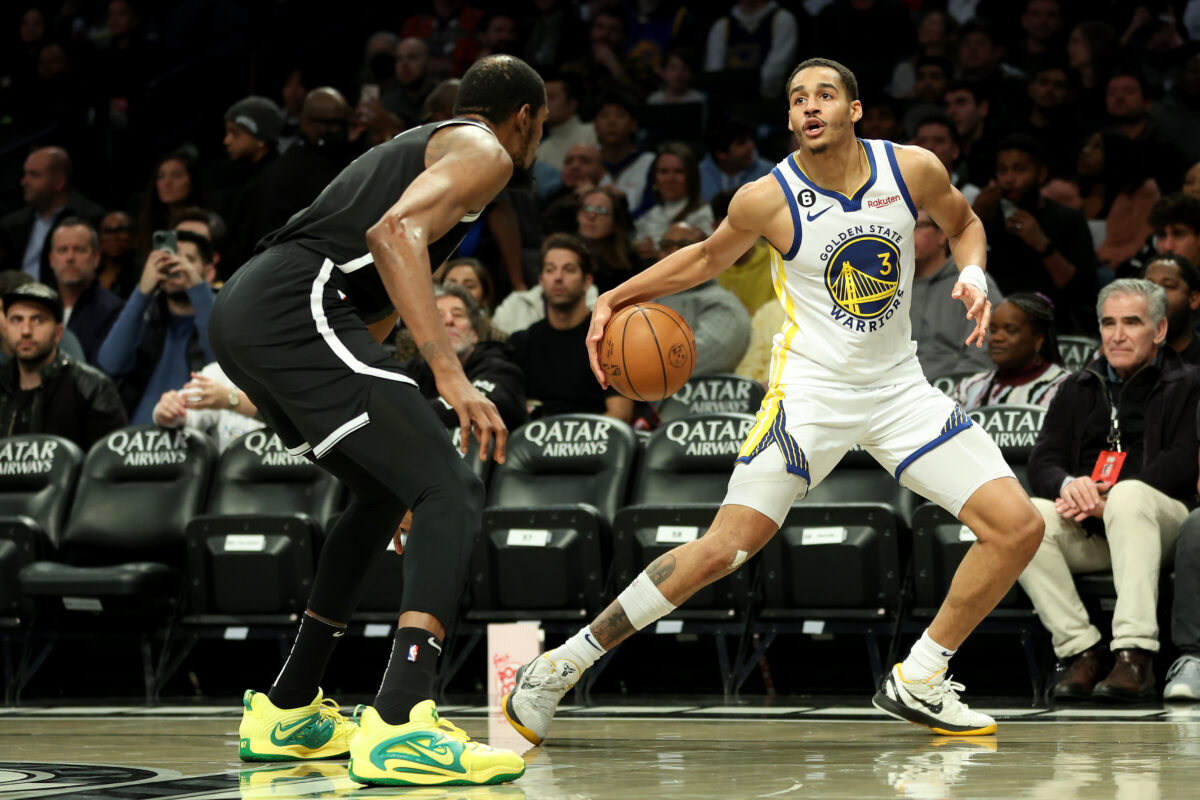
(840, 214)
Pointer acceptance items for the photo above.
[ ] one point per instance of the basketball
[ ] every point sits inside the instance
(648, 352)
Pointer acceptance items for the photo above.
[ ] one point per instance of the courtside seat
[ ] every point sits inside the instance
(946, 383)
(858, 478)
(120, 568)
(713, 394)
(138, 489)
(681, 481)
(252, 552)
(37, 483)
(549, 510)
(839, 547)
(835, 565)
(1077, 351)
(939, 540)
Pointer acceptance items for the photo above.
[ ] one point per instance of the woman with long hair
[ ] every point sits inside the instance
(472, 275)
(676, 175)
(1024, 347)
(605, 224)
(174, 184)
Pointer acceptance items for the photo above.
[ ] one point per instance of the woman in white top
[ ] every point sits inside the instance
(1023, 346)
(677, 187)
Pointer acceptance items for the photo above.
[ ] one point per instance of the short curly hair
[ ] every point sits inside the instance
(1175, 209)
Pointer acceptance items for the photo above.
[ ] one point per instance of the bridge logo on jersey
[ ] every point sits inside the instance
(863, 279)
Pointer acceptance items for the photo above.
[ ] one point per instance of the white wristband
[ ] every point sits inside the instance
(972, 275)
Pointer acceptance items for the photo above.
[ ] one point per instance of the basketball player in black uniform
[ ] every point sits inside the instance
(298, 328)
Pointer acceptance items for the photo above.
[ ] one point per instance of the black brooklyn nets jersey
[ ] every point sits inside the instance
(335, 225)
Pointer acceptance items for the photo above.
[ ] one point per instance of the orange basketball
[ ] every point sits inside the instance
(648, 352)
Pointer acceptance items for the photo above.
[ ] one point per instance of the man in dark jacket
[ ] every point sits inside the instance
(43, 390)
(89, 308)
(49, 197)
(294, 180)
(234, 187)
(1114, 470)
(488, 365)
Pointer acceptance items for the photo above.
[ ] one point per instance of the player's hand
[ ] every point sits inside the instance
(476, 414)
(155, 270)
(979, 309)
(171, 410)
(203, 392)
(601, 314)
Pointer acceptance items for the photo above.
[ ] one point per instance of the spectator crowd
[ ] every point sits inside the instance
(147, 148)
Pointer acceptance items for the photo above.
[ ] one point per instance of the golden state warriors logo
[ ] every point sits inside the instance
(863, 275)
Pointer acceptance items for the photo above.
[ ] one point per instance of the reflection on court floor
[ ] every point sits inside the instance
(646, 751)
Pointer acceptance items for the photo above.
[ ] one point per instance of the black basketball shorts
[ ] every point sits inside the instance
(298, 349)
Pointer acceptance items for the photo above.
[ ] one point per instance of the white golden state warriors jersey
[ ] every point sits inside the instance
(846, 280)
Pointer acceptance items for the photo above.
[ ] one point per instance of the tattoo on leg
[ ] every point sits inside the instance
(612, 626)
(661, 568)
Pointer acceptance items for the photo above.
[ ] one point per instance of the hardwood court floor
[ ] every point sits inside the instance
(660, 752)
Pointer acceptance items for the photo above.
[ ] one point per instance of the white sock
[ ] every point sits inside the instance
(582, 649)
(926, 659)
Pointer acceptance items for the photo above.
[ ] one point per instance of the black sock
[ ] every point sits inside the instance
(409, 676)
(300, 677)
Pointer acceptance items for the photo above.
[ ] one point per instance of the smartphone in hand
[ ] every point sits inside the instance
(166, 240)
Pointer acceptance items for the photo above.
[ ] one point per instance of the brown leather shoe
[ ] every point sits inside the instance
(1081, 675)
(1131, 679)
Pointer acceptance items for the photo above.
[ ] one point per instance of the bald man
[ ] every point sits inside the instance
(299, 175)
(49, 198)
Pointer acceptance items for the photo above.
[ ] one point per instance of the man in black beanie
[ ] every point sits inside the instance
(252, 128)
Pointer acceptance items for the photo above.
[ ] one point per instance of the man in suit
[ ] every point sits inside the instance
(49, 198)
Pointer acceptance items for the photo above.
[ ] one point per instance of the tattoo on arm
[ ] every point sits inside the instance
(612, 626)
(661, 568)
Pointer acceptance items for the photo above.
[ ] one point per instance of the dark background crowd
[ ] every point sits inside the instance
(145, 148)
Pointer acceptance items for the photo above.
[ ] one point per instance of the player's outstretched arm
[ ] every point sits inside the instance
(462, 180)
(930, 186)
(753, 213)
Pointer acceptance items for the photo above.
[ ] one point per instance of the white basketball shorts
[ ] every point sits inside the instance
(914, 431)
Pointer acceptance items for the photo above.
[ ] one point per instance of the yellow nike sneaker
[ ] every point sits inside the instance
(428, 751)
(317, 730)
